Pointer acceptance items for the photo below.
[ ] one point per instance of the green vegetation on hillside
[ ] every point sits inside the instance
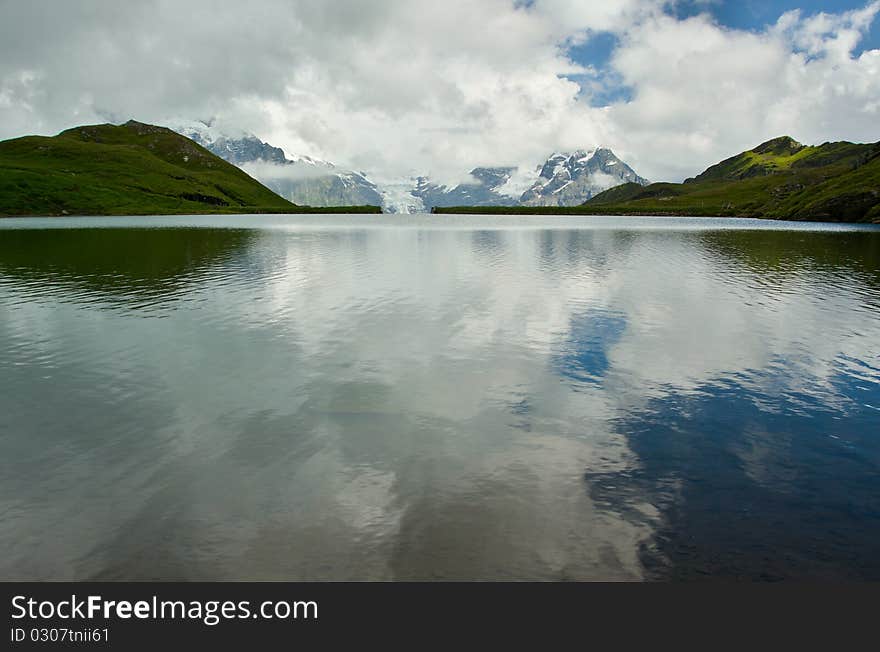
(781, 179)
(130, 169)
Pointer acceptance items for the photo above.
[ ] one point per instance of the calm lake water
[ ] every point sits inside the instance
(369, 397)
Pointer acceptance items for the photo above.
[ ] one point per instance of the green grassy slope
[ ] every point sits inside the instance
(780, 179)
(130, 169)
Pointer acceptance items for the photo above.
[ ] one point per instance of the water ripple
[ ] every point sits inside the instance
(271, 397)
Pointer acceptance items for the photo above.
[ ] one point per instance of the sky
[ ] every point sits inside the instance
(401, 87)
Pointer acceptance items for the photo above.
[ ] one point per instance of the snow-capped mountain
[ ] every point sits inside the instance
(300, 179)
(562, 180)
(572, 179)
(483, 191)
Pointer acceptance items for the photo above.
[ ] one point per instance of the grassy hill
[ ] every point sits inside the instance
(129, 169)
(780, 179)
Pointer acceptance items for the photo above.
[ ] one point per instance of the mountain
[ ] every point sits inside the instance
(485, 190)
(562, 180)
(129, 169)
(133, 168)
(299, 179)
(779, 179)
(572, 179)
(307, 180)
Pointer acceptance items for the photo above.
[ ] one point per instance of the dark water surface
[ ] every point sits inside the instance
(438, 398)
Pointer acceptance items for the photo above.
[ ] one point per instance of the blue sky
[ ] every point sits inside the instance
(756, 15)
(752, 15)
(749, 15)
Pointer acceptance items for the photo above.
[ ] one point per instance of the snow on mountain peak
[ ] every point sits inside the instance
(571, 179)
(207, 131)
(563, 179)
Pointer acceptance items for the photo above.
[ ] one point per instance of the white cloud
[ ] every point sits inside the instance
(703, 92)
(400, 87)
(296, 172)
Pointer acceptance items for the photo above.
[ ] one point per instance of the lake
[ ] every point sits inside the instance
(438, 397)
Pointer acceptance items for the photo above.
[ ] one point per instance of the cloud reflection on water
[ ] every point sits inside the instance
(351, 403)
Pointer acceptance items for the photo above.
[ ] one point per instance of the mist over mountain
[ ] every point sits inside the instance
(569, 180)
(564, 179)
(299, 179)
(128, 169)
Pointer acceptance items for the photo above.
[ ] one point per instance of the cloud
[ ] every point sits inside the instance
(834, 35)
(399, 87)
(294, 172)
(703, 92)
(352, 432)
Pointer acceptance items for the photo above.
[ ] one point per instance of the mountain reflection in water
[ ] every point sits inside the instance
(369, 397)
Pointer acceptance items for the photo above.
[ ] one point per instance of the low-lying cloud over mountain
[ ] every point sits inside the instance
(562, 180)
(300, 179)
(413, 87)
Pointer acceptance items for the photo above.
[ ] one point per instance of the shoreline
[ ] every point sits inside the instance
(577, 211)
(306, 210)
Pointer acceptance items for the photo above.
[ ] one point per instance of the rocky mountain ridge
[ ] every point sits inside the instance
(564, 179)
